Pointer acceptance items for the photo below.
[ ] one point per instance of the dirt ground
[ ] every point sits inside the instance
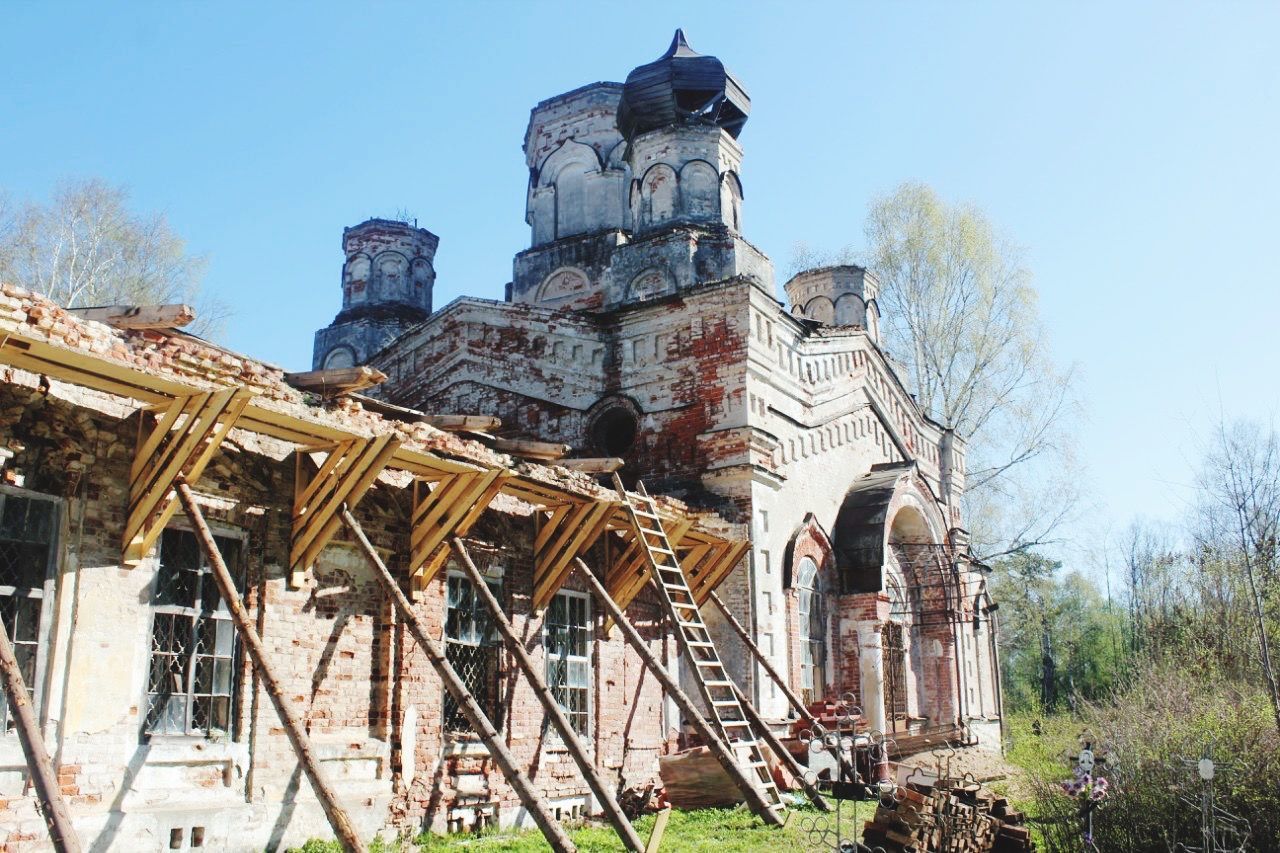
(984, 765)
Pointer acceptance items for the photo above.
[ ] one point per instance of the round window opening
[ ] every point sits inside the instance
(614, 431)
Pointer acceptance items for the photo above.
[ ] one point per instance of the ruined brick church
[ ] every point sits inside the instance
(242, 607)
(642, 324)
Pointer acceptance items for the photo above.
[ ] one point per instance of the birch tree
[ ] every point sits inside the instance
(959, 316)
(1240, 512)
(86, 247)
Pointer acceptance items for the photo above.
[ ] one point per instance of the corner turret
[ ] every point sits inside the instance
(837, 296)
(387, 278)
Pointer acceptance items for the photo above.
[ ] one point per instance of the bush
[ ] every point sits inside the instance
(1164, 716)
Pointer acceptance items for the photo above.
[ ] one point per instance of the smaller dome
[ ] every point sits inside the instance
(682, 86)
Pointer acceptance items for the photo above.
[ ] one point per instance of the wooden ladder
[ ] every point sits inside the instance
(717, 689)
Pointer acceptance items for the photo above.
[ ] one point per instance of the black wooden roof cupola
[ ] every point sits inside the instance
(682, 87)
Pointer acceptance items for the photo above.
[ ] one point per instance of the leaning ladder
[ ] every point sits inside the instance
(717, 689)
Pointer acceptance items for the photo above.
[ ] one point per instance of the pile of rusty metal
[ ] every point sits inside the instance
(947, 816)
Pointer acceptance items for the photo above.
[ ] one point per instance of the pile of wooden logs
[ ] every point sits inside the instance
(947, 816)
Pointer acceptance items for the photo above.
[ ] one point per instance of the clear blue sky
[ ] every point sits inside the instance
(1132, 148)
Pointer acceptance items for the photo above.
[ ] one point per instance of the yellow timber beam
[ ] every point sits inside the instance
(448, 508)
(180, 444)
(346, 474)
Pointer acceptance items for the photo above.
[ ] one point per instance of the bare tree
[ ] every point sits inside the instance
(86, 247)
(1240, 507)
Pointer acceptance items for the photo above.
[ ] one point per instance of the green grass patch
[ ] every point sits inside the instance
(722, 830)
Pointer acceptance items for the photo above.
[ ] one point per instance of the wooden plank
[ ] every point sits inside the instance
(82, 369)
(467, 704)
(248, 631)
(659, 829)
(560, 534)
(530, 449)
(548, 526)
(452, 507)
(549, 577)
(592, 465)
(150, 443)
(463, 423)
(138, 316)
(339, 380)
(715, 575)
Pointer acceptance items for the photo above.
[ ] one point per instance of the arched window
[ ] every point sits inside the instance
(813, 630)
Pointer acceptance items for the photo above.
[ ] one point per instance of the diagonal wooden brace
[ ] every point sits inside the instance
(180, 444)
(711, 739)
(448, 509)
(345, 476)
(480, 723)
(550, 705)
(563, 537)
(712, 572)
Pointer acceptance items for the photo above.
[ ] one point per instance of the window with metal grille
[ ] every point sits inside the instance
(193, 678)
(567, 639)
(813, 631)
(28, 533)
(473, 648)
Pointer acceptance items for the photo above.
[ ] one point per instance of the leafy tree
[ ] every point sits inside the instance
(1240, 520)
(1059, 637)
(958, 311)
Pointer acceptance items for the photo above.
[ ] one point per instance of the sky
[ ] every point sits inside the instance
(1132, 149)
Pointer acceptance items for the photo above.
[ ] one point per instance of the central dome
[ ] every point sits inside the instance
(682, 87)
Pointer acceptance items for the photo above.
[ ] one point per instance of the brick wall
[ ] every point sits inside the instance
(348, 668)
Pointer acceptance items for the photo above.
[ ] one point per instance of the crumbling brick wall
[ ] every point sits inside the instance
(347, 665)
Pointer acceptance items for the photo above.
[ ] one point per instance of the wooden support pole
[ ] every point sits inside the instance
(342, 826)
(626, 832)
(721, 752)
(336, 380)
(784, 754)
(43, 776)
(763, 661)
(659, 829)
(552, 831)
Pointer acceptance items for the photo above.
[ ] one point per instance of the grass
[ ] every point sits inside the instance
(718, 830)
(1040, 756)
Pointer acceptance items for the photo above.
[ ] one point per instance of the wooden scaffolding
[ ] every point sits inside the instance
(181, 429)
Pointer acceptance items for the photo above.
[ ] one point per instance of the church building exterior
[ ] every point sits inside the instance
(641, 324)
